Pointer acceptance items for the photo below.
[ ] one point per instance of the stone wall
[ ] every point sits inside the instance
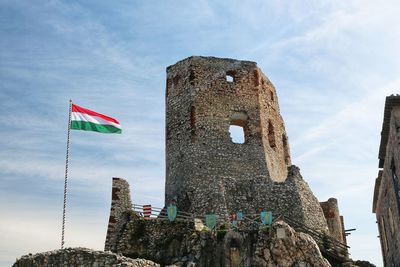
(292, 198)
(80, 257)
(120, 203)
(386, 200)
(332, 215)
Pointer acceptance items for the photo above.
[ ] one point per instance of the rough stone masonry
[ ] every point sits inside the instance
(206, 172)
(179, 244)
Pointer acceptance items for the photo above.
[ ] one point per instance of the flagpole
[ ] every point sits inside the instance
(66, 175)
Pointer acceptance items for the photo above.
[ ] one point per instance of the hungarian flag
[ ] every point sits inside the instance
(87, 120)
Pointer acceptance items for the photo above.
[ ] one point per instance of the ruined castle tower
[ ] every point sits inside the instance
(206, 172)
(207, 95)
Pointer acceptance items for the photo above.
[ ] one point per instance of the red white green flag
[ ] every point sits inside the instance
(87, 120)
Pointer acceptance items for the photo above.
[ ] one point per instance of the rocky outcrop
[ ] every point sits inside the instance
(80, 257)
(286, 247)
(179, 244)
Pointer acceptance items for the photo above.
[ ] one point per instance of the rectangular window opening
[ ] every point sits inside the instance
(237, 134)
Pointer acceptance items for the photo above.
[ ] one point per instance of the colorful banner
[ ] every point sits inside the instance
(211, 221)
(171, 212)
(266, 217)
(235, 224)
(146, 211)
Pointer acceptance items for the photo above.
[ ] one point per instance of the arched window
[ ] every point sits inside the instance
(271, 135)
(174, 85)
(256, 78)
(230, 76)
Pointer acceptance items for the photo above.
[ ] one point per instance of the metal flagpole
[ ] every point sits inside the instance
(66, 176)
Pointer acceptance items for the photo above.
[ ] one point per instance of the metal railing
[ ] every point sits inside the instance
(159, 213)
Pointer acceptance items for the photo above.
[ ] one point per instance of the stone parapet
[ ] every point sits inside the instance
(120, 203)
(332, 215)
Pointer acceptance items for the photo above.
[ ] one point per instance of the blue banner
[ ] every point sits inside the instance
(211, 221)
(266, 217)
(171, 212)
(239, 216)
(235, 224)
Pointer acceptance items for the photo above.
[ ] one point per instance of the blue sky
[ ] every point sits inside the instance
(332, 62)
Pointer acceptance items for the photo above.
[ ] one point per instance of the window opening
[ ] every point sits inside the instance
(230, 76)
(256, 78)
(238, 127)
(237, 134)
(192, 77)
(271, 135)
(174, 85)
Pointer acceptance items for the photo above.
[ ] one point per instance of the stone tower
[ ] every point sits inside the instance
(205, 170)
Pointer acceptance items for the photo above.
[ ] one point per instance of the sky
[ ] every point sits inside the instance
(332, 63)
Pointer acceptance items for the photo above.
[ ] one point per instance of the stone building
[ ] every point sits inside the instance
(386, 203)
(208, 173)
